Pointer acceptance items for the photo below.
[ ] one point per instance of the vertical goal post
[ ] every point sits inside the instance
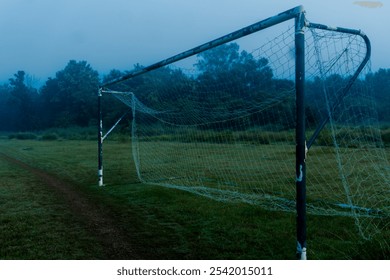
(300, 135)
(101, 136)
(302, 146)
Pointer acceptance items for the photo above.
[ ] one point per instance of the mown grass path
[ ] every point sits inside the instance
(98, 222)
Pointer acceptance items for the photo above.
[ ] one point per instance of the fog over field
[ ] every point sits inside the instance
(41, 36)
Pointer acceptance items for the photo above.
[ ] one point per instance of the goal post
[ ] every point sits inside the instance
(100, 140)
(300, 135)
(101, 135)
(225, 132)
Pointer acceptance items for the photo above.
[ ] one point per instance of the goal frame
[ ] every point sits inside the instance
(302, 145)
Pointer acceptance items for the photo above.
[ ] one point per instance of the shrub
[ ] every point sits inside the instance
(386, 137)
(49, 137)
(23, 136)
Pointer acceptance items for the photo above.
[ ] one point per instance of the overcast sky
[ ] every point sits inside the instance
(41, 36)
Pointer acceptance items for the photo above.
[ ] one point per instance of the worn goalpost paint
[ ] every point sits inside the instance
(100, 139)
(300, 132)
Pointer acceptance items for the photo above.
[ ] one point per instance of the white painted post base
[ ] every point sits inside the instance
(303, 254)
(100, 175)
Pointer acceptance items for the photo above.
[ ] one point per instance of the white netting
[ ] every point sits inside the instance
(224, 127)
(351, 137)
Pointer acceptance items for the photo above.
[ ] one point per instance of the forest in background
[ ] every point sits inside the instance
(70, 98)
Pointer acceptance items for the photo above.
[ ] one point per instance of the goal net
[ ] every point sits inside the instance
(222, 124)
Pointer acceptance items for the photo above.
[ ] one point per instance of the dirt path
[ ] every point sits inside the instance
(98, 221)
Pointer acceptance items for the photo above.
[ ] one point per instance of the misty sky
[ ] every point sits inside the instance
(41, 36)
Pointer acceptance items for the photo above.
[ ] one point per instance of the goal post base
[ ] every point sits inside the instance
(302, 255)
(100, 175)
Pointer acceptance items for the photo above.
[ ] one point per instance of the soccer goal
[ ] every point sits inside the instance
(237, 119)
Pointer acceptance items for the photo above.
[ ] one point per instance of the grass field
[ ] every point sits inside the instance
(40, 220)
(36, 223)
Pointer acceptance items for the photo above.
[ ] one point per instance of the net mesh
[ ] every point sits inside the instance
(222, 125)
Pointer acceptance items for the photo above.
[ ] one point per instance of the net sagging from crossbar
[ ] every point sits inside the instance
(223, 125)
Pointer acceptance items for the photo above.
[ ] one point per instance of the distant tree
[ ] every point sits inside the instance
(112, 75)
(70, 97)
(225, 64)
(315, 101)
(128, 85)
(158, 85)
(112, 108)
(51, 103)
(228, 76)
(155, 86)
(7, 114)
(23, 99)
(379, 82)
(218, 60)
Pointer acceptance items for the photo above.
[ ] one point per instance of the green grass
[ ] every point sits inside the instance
(37, 224)
(161, 223)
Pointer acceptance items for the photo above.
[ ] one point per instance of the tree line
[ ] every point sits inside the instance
(70, 98)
